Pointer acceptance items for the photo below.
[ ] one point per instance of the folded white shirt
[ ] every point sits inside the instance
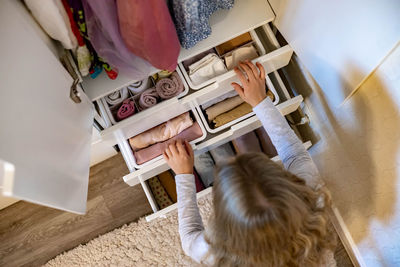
(206, 68)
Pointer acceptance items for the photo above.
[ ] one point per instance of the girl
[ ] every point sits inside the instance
(264, 215)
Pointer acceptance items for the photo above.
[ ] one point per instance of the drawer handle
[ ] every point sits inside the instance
(74, 93)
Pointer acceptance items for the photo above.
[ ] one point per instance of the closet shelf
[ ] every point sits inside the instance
(226, 24)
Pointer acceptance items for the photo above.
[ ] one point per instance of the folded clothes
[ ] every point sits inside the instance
(197, 180)
(127, 109)
(247, 143)
(161, 132)
(148, 98)
(169, 87)
(139, 86)
(222, 153)
(207, 68)
(266, 143)
(160, 194)
(117, 97)
(231, 115)
(204, 166)
(233, 43)
(168, 182)
(196, 58)
(151, 152)
(247, 52)
(219, 99)
(223, 107)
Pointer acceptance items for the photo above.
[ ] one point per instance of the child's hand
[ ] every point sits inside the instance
(179, 156)
(253, 86)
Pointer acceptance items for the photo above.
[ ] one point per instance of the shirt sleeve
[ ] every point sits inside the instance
(294, 156)
(191, 229)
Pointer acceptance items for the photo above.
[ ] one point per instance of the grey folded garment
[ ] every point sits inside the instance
(266, 143)
(222, 153)
(139, 86)
(219, 99)
(117, 97)
(247, 143)
(204, 166)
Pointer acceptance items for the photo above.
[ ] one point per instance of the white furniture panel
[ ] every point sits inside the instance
(44, 134)
(339, 42)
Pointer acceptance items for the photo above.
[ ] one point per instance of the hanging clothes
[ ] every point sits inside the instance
(103, 31)
(148, 31)
(51, 15)
(191, 18)
(97, 64)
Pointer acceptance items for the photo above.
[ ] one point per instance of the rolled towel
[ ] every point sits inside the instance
(148, 98)
(223, 107)
(159, 193)
(169, 87)
(127, 109)
(266, 143)
(233, 114)
(161, 132)
(151, 152)
(204, 166)
(207, 68)
(168, 182)
(247, 143)
(219, 99)
(222, 153)
(139, 86)
(117, 97)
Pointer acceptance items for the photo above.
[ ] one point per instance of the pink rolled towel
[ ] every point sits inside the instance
(127, 109)
(169, 87)
(161, 132)
(148, 98)
(151, 152)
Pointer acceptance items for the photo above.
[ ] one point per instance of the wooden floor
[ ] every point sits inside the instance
(30, 235)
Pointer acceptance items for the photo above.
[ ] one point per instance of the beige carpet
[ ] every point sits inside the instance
(154, 243)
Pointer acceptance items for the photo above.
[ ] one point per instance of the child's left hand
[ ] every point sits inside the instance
(179, 156)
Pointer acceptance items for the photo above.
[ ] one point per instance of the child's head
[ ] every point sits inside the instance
(266, 216)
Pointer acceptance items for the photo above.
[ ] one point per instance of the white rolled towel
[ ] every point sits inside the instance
(117, 97)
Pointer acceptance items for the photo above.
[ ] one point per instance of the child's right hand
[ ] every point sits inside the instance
(252, 78)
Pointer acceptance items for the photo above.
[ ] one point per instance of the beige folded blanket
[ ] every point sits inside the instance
(223, 107)
(233, 114)
(161, 132)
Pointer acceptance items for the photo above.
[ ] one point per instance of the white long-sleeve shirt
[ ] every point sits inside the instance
(295, 159)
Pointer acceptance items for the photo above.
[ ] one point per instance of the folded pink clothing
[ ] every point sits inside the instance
(127, 109)
(151, 152)
(161, 132)
(169, 87)
(148, 98)
(247, 143)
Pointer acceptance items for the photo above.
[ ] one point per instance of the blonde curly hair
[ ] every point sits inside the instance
(266, 216)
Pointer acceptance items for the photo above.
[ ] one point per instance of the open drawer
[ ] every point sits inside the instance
(210, 142)
(139, 158)
(212, 65)
(109, 108)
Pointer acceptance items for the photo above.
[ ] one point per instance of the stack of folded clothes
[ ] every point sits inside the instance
(207, 68)
(229, 108)
(152, 143)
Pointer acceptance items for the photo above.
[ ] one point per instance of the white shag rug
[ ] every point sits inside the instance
(141, 243)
